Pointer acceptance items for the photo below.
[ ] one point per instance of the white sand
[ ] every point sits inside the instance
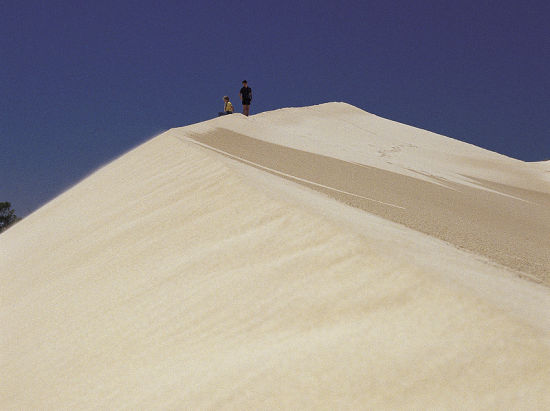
(345, 132)
(469, 197)
(179, 278)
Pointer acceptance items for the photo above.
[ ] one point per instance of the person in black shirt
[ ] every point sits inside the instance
(246, 97)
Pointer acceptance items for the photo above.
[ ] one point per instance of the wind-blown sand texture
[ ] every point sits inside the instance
(289, 260)
(507, 224)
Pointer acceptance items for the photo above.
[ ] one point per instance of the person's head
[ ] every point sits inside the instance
(245, 83)
(225, 98)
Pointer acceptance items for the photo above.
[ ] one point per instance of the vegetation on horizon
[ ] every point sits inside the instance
(7, 216)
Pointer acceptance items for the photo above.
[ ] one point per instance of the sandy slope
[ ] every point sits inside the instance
(341, 131)
(477, 200)
(176, 277)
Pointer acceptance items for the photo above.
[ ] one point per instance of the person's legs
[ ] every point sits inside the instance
(246, 109)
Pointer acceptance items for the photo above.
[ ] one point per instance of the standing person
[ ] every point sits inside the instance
(246, 97)
(227, 107)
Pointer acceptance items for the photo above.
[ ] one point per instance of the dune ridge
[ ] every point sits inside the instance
(475, 199)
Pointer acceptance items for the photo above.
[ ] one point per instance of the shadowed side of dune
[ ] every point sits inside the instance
(505, 224)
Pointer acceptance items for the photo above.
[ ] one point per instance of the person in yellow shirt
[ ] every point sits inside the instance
(227, 107)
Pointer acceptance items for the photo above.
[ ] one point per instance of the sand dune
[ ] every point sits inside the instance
(221, 266)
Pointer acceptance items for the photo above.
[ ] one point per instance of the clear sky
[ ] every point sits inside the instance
(82, 82)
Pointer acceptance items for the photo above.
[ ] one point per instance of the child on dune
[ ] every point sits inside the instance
(227, 107)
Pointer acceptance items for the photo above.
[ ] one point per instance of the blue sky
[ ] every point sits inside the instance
(84, 81)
